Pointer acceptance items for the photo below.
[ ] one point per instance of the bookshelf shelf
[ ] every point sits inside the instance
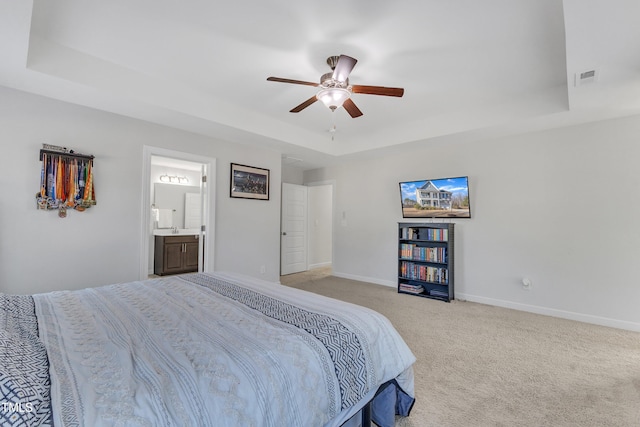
(425, 260)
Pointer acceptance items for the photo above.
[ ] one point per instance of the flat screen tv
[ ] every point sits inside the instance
(436, 198)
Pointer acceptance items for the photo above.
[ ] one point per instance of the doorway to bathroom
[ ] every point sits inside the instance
(178, 212)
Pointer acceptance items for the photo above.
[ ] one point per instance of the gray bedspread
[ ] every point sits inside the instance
(214, 350)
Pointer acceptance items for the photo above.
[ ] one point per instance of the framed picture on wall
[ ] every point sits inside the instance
(248, 182)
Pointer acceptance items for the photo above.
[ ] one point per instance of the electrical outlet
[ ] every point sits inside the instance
(263, 269)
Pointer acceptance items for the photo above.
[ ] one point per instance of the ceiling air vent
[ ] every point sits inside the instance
(586, 77)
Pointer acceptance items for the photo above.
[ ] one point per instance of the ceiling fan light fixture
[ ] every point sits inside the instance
(333, 97)
(335, 89)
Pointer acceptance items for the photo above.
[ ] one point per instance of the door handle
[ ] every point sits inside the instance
(284, 233)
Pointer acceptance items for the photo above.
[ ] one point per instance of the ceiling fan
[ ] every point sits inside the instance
(335, 91)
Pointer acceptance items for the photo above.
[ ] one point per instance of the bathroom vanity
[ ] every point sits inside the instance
(175, 254)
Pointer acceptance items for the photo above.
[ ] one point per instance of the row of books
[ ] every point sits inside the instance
(423, 233)
(413, 271)
(418, 253)
(414, 289)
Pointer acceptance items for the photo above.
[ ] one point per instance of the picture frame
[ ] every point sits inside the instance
(249, 182)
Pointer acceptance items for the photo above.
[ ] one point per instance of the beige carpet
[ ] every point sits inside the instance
(479, 365)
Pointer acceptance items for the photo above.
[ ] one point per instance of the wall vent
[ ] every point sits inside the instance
(586, 77)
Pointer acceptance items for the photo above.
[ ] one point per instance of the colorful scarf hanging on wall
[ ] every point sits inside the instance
(66, 180)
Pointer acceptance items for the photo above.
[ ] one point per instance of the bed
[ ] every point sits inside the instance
(198, 350)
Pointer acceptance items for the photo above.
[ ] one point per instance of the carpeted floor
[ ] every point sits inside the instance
(479, 365)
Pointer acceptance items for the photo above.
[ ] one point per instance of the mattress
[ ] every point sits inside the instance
(197, 349)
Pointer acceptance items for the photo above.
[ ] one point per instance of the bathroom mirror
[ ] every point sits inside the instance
(171, 196)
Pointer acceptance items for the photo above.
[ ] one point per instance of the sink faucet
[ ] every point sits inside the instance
(174, 230)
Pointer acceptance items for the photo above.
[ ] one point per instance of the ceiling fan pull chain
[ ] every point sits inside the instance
(332, 129)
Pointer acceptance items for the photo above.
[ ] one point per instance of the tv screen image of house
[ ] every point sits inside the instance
(436, 198)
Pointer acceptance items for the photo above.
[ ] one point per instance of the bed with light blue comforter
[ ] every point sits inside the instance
(206, 350)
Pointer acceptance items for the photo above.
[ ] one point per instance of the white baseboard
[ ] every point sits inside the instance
(586, 318)
(319, 265)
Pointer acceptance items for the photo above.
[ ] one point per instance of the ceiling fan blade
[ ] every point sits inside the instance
(351, 108)
(378, 90)
(304, 105)
(296, 82)
(343, 68)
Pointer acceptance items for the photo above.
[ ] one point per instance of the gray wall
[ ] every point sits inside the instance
(41, 252)
(292, 175)
(560, 207)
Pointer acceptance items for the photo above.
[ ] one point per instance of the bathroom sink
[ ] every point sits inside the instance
(170, 232)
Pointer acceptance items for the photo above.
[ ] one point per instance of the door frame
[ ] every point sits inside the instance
(209, 194)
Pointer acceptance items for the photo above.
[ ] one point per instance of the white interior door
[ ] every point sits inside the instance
(293, 229)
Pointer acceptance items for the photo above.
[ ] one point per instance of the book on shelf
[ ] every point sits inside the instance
(437, 234)
(425, 273)
(411, 286)
(419, 253)
(414, 289)
(438, 293)
(410, 233)
(425, 233)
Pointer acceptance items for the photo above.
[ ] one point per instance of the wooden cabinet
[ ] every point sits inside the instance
(175, 254)
(425, 260)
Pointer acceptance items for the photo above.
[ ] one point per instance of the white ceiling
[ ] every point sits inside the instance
(471, 69)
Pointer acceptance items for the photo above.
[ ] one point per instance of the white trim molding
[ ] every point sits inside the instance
(569, 315)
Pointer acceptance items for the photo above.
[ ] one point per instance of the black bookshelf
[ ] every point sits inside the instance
(426, 260)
